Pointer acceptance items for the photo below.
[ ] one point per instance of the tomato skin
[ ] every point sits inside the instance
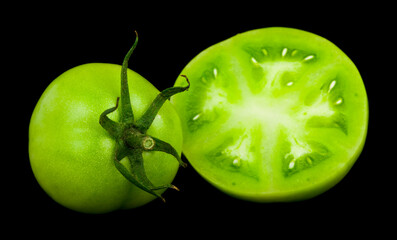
(71, 155)
(288, 111)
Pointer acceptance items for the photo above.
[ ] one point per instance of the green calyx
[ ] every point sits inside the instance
(130, 134)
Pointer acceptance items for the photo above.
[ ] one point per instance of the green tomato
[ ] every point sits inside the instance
(273, 114)
(72, 156)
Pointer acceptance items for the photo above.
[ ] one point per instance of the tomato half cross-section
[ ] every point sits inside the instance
(274, 114)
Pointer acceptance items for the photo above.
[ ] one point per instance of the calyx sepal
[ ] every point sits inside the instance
(130, 134)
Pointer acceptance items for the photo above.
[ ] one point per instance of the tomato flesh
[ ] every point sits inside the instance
(274, 114)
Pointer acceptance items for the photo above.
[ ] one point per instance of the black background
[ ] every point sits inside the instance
(47, 43)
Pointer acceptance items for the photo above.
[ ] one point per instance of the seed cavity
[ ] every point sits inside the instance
(298, 149)
(294, 53)
(304, 157)
(264, 51)
(240, 150)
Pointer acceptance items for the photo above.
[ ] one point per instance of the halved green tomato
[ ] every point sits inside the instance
(274, 114)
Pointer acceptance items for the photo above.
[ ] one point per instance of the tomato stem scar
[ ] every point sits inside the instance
(148, 143)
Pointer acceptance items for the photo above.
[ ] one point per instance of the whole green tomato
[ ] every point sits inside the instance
(87, 161)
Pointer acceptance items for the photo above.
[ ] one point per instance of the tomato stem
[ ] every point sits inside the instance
(130, 135)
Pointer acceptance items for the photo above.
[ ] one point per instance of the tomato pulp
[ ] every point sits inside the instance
(274, 114)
